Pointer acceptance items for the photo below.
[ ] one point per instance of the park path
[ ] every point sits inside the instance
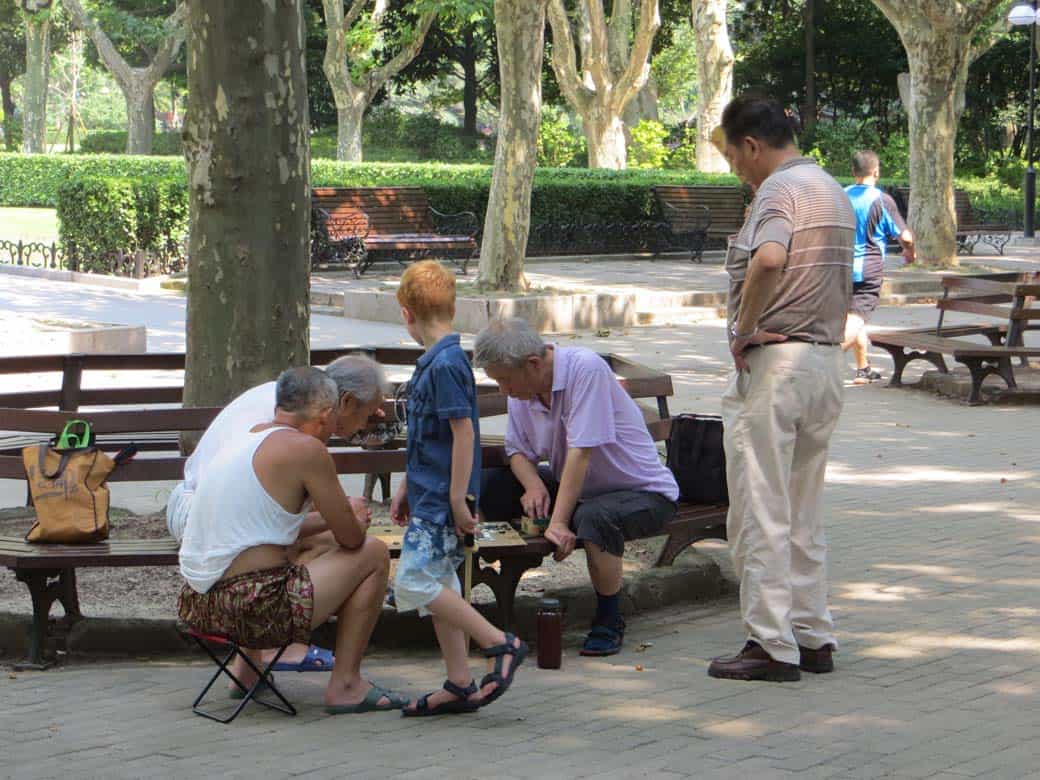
(933, 517)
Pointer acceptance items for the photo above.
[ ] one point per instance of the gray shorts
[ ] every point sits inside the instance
(607, 520)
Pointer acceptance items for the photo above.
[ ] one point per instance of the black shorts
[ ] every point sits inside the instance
(607, 520)
(865, 297)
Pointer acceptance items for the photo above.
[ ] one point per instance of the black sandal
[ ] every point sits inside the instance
(457, 707)
(498, 652)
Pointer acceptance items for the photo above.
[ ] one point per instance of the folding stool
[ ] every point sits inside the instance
(234, 649)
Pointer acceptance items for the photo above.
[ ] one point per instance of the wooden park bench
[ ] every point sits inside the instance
(357, 226)
(1009, 297)
(971, 228)
(49, 571)
(696, 214)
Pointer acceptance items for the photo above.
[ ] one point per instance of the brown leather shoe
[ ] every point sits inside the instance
(816, 661)
(753, 663)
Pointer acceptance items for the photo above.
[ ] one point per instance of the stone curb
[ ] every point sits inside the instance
(695, 577)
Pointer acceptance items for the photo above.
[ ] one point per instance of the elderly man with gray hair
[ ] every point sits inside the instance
(252, 503)
(579, 454)
(361, 387)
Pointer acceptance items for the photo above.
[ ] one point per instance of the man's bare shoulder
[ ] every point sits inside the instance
(291, 444)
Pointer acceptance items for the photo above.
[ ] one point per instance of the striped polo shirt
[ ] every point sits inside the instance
(802, 208)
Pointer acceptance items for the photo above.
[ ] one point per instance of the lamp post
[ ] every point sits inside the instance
(1026, 14)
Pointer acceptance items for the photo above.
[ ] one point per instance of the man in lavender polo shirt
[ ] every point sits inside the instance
(604, 481)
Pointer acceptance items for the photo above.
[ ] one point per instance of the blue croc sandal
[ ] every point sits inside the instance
(604, 640)
(317, 659)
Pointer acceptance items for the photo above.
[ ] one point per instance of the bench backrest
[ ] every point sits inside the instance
(966, 214)
(726, 204)
(1011, 297)
(390, 210)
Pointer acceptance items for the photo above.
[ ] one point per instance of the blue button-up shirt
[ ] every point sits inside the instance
(440, 390)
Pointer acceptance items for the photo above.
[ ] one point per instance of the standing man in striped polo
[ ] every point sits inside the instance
(790, 273)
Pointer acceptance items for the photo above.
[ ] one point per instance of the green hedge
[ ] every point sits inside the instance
(101, 216)
(577, 195)
(114, 142)
(34, 179)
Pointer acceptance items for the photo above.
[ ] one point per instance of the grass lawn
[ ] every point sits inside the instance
(28, 224)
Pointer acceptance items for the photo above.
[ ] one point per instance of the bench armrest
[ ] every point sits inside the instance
(347, 227)
(464, 223)
(672, 214)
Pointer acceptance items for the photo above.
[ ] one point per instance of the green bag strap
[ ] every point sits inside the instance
(69, 439)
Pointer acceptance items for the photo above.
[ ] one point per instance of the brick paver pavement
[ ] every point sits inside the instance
(934, 523)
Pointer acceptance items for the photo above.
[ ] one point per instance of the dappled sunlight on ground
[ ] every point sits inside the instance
(875, 591)
(910, 644)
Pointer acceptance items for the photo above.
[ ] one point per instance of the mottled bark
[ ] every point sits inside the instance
(353, 91)
(37, 75)
(937, 36)
(615, 66)
(714, 79)
(521, 41)
(137, 84)
(246, 139)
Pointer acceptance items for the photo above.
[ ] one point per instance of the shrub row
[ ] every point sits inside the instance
(561, 195)
(114, 142)
(33, 180)
(103, 216)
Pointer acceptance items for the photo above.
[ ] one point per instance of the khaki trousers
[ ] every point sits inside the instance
(778, 420)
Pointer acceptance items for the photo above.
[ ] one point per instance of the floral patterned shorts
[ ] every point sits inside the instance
(258, 609)
(430, 557)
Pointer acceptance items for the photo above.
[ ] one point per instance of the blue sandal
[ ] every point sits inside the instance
(518, 653)
(604, 640)
(317, 659)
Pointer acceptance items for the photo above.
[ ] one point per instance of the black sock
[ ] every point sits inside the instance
(608, 608)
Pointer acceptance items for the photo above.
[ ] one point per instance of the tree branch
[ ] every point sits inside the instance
(596, 59)
(638, 69)
(563, 56)
(176, 32)
(377, 77)
(117, 66)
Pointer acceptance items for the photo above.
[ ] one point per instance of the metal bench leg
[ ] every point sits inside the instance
(981, 368)
(44, 592)
(503, 583)
(679, 539)
(901, 356)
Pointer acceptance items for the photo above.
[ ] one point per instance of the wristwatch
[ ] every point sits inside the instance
(742, 337)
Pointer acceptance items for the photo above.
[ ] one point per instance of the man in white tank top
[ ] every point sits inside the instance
(251, 503)
(361, 383)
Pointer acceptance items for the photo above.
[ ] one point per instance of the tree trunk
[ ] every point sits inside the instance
(469, 84)
(139, 93)
(614, 68)
(246, 139)
(809, 120)
(7, 100)
(37, 74)
(938, 38)
(714, 79)
(933, 116)
(521, 41)
(349, 120)
(353, 92)
(137, 84)
(605, 134)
